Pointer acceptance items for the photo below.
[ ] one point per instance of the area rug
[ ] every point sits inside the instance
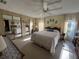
(11, 52)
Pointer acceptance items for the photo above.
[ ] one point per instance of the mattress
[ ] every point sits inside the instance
(46, 39)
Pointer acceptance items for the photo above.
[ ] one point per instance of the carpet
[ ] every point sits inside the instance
(11, 52)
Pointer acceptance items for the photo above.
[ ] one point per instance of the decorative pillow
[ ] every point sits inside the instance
(51, 30)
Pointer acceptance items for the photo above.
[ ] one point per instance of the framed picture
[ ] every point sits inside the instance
(56, 22)
(52, 20)
(7, 17)
(47, 22)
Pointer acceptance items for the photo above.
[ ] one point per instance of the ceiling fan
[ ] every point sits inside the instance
(45, 7)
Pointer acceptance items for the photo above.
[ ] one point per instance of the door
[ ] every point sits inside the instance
(6, 25)
(70, 29)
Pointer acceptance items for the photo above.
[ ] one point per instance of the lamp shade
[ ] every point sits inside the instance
(2, 44)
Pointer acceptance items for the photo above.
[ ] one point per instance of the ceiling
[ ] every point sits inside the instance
(33, 8)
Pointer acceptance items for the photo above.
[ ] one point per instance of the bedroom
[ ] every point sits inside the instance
(30, 29)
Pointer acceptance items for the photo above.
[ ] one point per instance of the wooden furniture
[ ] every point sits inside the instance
(77, 45)
(62, 37)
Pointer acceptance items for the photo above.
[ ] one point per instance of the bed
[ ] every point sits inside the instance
(46, 39)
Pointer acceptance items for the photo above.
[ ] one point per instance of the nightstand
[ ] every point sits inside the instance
(77, 45)
(62, 37)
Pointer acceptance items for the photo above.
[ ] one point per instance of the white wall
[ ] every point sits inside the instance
(41, 24)
(31, 25)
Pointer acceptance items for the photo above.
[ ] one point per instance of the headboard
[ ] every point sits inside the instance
(54, 28)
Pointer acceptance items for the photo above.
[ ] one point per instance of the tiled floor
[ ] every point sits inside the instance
(11, 51)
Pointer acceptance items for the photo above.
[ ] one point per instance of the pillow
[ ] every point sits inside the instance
(50, 30)
(55, 31)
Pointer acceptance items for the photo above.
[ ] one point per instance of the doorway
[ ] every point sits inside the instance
(70, 29)
(7, 29)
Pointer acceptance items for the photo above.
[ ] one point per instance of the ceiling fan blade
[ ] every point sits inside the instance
(55, 9)
(58, 1)
(45, 6)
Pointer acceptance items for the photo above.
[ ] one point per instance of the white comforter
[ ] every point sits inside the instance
(46, 39)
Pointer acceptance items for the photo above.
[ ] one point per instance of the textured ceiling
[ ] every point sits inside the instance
(33, 8)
